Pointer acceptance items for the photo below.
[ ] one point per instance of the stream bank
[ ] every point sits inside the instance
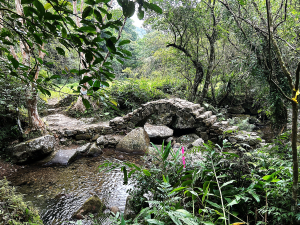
(58, 192)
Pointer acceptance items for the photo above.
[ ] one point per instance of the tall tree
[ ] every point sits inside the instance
(33, 23)
(194, 27)
(35, 122)
(269, 38)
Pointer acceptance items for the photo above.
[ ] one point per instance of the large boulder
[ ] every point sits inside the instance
(93, 205)
(128, 213)
(94, 150)
(83, 149)
(33, 149)
(158, 132)
(135, 142)
(63, 157)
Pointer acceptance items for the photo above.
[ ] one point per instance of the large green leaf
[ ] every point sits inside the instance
(254, 195)
(167, 150)
(87, 12)
(86, 103)
(98, 16)
(129, 9)
(90, 2)
(55, 77)
(233, 202)
(38, 39)
(47, 6)
(50, 16)
(146, 172)
(126, 52)
(141, 14)
(124, 42)
(40, 7)
(229, 182)
(89, 57)
(103, 10)
(6, 42)
(110, 45)
(85, 79)
(214, 204)
(87, 29)
(153, 7)
(14, 62)
(28, 11)
(184, 213)
(63, 32)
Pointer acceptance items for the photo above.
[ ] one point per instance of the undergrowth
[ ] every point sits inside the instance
(13, 209)
(222, 188)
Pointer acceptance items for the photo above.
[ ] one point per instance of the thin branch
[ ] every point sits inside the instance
(281, 91)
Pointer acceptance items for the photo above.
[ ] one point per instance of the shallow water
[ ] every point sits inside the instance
(58, 192)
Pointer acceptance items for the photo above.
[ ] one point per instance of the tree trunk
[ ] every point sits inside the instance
(213, 93)
(35, 122)
(295, 159)
(197, 80)
(209, 69)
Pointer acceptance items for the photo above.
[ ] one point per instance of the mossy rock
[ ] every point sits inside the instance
(93, 205)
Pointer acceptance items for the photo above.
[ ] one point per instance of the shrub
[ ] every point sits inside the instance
(130, 94)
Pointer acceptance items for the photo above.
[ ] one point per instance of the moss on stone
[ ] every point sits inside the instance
(93, 205)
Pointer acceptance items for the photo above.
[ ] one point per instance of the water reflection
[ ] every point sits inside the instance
(58, 192)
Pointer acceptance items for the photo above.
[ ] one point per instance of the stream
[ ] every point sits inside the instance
(58, 192)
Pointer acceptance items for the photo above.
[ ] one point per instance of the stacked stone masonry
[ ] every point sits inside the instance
(178, 114)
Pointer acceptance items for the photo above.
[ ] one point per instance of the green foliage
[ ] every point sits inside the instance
(12, 95)
(13, 209)
(131, 94)
(42, 24)
(222, 187)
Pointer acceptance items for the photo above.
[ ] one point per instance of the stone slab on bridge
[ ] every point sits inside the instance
(67, 127)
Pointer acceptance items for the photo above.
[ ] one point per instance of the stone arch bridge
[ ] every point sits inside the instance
(178, 114)
(175, 113)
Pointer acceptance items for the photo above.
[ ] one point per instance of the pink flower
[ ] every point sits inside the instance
(183, 158)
